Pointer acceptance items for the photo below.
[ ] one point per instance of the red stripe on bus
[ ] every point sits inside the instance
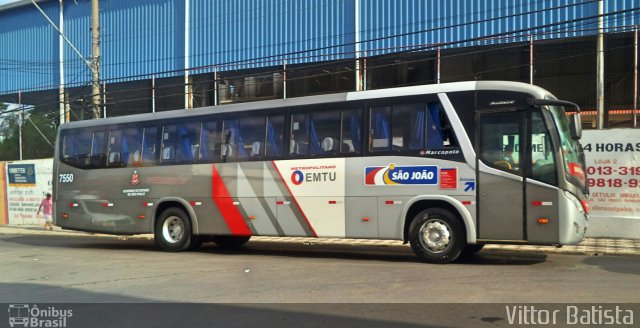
(294, 199)
(223, 200)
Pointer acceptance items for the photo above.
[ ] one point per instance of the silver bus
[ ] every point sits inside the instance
(446, 168)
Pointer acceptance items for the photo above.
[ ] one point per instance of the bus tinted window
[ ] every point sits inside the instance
(315, 133)
(325, 127)
(275, 136)
(380, 138)
(98, 149)
(115, 145)
(408, 127)
(210, 140)
(149, 146)
(299, 144)
(439, 132)
(188, 142)
(131, 150)
(168, 153)
(253, 132)
(76, 149)
(351, 132)
(125, 147)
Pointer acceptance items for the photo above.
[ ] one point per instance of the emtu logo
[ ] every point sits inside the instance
(297, 177)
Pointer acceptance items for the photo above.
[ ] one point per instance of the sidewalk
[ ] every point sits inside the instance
(589, 246)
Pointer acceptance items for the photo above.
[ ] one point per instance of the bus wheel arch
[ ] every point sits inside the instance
(436, 230)
(173, 227)
(443, 202)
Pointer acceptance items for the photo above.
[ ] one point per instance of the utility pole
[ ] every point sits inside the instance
(95, 59)
(20, 118)
(94, 64)
(600, 68)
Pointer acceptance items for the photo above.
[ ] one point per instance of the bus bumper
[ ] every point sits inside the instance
(573, 220)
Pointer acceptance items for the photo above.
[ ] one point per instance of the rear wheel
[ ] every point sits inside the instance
(436, 236)
(230, 242)
(173, 230)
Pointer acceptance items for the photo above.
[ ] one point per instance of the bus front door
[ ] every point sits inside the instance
(500, 193)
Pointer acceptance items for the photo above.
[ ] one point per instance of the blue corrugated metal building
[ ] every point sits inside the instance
(162, 38)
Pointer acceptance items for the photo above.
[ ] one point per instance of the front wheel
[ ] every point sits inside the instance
(436, 236)
(173, 230)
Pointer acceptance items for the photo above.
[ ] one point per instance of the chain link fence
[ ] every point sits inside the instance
(566, 67)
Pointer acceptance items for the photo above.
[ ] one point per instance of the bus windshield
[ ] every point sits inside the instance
(571, 149)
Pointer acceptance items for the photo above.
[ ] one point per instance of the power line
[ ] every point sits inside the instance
(374, 39)
(290, 55)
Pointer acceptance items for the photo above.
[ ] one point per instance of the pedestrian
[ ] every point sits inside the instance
(46, 205)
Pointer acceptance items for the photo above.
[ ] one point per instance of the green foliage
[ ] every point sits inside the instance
(34, 144)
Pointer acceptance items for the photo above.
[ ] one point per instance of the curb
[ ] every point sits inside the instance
(589, 246)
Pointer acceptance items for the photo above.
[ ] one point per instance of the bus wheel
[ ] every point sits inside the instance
(436, 236)
(173, 230)
(230, 242)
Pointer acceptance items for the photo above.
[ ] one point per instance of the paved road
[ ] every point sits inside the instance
(50, 268)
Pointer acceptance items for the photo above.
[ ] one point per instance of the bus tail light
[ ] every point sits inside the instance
(585, 205)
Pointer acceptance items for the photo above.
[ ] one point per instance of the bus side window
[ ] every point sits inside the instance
(380, 137)
(351, 131)
(253, 132)
(132, 147)
(324, 132)
(188, 142)
(299, 144)
(210, 140)
(115, 149)
(232, 144)
(149, 144)
(439, 131)
(168, 152)
(408, 127)
(275, 136)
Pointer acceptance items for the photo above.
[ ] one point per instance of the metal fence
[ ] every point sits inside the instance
(566, 67)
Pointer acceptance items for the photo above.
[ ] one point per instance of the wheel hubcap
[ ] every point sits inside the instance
(435, 235)
(173, 229)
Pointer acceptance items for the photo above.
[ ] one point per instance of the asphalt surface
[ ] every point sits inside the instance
(110, 281)
(62, 268)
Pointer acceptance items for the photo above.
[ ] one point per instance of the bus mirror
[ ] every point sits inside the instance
(576, 126)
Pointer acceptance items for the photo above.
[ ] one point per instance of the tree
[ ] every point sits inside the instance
(35, 144)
